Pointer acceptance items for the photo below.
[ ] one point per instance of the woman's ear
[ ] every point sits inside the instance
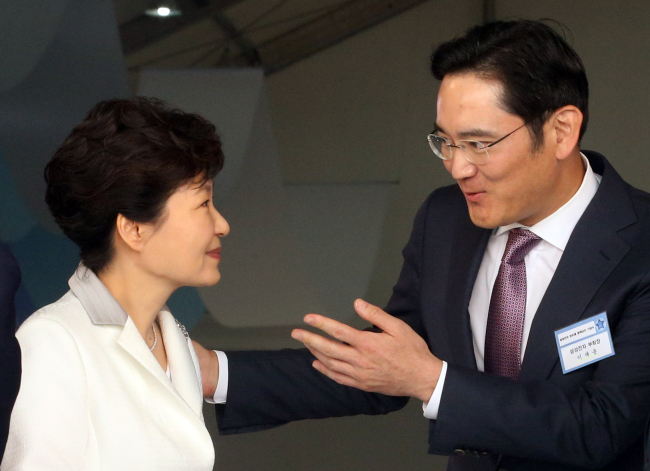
(134, 234)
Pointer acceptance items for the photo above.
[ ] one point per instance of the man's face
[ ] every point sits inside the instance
(516, 184)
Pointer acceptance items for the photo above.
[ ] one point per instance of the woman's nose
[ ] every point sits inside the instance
(221, 226)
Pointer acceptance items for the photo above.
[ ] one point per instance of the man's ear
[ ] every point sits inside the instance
(132, 233)
(566, 124)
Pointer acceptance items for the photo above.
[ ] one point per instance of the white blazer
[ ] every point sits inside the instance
(93, 397)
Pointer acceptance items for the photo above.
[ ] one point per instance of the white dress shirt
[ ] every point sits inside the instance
(541, 263)
(221, 394)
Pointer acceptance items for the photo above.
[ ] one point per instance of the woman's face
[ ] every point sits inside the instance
(185, 248)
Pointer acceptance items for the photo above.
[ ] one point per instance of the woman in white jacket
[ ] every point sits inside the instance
(110, 379)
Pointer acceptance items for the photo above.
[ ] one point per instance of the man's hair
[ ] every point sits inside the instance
(127, 157)
(538, 70)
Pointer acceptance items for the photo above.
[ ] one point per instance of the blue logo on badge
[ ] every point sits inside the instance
(600, 324)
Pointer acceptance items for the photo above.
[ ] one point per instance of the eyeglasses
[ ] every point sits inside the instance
(477, 151)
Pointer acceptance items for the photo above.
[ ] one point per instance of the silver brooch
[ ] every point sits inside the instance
(182, 327)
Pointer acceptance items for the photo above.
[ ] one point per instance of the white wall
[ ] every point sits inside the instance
(360, 112)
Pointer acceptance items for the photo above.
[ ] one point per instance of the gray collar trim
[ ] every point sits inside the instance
(99, 303)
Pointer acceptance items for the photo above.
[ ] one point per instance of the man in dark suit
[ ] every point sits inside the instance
(536, 236)
(9, 349)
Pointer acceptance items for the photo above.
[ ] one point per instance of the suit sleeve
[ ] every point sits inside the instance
(267, 389)
(586, 426)
(646, 440)
(9, 350)
(49, 425)
(270, 388)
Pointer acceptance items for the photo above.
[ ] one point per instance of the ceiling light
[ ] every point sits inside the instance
(164, 10)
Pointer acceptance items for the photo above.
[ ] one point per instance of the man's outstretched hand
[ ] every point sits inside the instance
(209, 364)
(396, 362)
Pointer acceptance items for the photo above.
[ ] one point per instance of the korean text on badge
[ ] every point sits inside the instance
(584, 342)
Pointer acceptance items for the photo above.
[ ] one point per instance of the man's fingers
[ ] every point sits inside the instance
(376, 316)
(328, 347)
(334, 375)
(333, 364)
(336, 329)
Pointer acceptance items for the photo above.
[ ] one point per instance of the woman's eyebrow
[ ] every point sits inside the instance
(206, 186)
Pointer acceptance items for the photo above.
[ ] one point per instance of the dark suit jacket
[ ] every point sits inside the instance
(647, 448)
(9, 350)
(591, 418)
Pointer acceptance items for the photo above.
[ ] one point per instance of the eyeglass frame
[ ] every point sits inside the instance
(476, 151)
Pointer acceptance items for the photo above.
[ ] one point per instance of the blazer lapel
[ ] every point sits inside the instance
(593, 251)
(184, 385)
(181, 366)
(468, 247)
(131, 341)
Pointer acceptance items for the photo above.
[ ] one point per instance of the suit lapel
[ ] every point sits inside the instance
(468, 247)
(181, 366)
(593, 251)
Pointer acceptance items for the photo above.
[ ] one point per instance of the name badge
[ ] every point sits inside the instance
(584, 342)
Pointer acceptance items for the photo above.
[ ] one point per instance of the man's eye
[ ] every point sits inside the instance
(476, 145)
(206, 203)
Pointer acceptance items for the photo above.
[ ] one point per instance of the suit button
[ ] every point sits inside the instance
(459, 451)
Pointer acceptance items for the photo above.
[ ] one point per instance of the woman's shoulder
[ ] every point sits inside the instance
(67, 313)
(51, 338)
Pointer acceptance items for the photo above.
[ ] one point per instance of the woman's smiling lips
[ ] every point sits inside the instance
(216, 253)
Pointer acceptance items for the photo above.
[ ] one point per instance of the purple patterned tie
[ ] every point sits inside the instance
(505, 324)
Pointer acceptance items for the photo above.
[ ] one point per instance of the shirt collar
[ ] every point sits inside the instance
(99, 303)
(557, 228)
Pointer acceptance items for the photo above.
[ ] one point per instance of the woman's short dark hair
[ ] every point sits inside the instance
(539, 71)
(127, 157)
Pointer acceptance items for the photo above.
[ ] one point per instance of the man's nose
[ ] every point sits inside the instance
(459, 166)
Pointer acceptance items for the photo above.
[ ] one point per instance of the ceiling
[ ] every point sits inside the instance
(272, 34)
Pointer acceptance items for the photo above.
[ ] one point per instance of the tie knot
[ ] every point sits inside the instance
(520, 242)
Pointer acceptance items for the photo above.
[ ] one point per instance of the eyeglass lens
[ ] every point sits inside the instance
(440, 147)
